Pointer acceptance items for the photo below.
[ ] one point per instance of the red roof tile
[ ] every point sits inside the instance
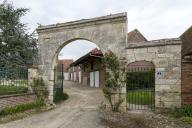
(66, 63)
(96, 51)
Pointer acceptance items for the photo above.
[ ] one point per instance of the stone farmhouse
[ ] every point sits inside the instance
(89, 69)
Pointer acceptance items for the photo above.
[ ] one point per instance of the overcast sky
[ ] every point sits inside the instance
(76, 49)
(154, 18)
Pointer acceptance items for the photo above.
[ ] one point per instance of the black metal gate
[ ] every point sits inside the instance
(58, 83)
(141, 87)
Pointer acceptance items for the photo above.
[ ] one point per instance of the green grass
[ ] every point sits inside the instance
(187, 120)
(22, 107)
(9, 89)
(140, 97)
(184, 113)
(21, 82)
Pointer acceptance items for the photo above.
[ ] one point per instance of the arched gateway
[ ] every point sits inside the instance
(108, 32)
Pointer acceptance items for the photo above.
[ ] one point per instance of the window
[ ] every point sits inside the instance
(91, 65)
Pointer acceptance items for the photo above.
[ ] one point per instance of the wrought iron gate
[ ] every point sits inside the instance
(141, 88)
(58, 83)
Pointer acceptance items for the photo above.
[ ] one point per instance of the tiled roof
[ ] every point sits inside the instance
(135, 36)
(96, 51)
(66, 63)
(93, 53)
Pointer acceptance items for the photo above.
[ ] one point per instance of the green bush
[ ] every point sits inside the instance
(114, 80)
(22, 107)
(184, 111)
(10, 89)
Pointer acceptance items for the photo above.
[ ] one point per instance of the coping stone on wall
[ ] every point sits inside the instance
(153, 43)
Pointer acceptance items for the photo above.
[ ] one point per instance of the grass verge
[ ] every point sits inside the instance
(184, 113)
(21, 108)
(9, 89)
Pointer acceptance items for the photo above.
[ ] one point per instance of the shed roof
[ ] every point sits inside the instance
(93, 53)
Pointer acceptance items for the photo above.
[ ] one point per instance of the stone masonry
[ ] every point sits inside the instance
(107, 32)
(110, 33)
(166, 56)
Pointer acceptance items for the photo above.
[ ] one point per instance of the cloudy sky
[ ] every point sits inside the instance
(154, 18)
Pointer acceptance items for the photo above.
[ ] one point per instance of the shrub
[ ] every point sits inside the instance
(114, 79)
(22, 108)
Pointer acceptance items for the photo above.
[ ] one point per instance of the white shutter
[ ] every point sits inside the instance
(71, 76)
(75, 78)
(79, 77)
(66, 76)
(96, 79)
(91, 79)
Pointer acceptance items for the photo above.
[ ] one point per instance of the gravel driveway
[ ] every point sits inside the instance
(79, 111)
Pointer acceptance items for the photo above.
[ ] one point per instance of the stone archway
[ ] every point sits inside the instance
(108, 32)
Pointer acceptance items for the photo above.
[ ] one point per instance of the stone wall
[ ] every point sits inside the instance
(17, 99)
(110, 33)
(32, 73)
(107, 32)
(166, 56)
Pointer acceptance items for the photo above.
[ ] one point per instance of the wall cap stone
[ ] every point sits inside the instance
(154, 43)
(119, 17)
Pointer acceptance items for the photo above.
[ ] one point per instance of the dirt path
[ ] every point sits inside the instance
(79, 111)
(142, 119)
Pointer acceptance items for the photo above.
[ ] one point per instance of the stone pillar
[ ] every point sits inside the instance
(50, 88)
(123, 107)
(168, 77)
(51, 84)
(123, 61)
(32, 73)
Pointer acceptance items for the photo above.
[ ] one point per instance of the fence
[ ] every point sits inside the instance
(13, 80)
(141, 88)
(58, 83)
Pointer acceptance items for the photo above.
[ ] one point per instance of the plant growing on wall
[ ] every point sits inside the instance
(114, 79)
(40, 89)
